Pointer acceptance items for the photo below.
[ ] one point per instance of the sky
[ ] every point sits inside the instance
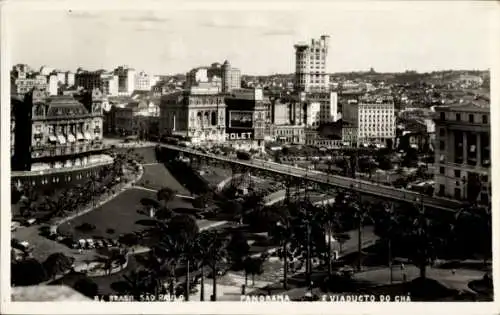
(388, 36)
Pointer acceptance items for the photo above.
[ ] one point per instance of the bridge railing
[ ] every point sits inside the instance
(345, 182)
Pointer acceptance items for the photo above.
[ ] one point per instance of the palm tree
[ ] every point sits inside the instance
(387, 225)
(216, 254)
(360, 212)
(202, 242)
(331, 216)
(422, 234)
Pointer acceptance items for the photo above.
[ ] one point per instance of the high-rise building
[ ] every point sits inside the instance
(126, 80)
(310, 65)
(231, 77)
(224, 76)
(462, 151)
(373, 120)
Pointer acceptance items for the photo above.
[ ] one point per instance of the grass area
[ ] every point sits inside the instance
(119, 214)
(157, 176)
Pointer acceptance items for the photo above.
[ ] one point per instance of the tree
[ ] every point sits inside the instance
(238, 248)
(421, 233)
(27, 272)
(387, 225)
(57, 264)
(87, 287)
(201, 201)
(253, 266)
(474, 230)
(359, 209)
(165, 195)
(331, 216)
(283, 233)
(216, 253)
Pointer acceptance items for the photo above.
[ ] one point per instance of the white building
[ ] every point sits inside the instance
(373, 119)
(142, 81)
(313, 114)
(53, 82)
(328, 102)
(310, 65)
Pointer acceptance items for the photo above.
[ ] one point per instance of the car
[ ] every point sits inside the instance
(30, 222)
(99, 244)
(14, 225)
(90, 243)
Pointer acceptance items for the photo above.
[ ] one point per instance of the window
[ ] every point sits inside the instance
(441, 132)
(484, 178)
(441, 170)
(458, 117)
(471, 118)
(441, 145)
(457, 173)
(441, 189)
(485, 119)
(457, 193)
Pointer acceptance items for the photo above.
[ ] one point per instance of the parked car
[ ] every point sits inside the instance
(14, 225)
(30, 222)
(90, 243)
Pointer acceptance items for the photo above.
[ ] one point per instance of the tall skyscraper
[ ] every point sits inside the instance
(310, 65)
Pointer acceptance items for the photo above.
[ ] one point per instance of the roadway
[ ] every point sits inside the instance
(362, 186)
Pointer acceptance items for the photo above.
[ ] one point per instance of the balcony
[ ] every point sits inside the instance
(65, 149)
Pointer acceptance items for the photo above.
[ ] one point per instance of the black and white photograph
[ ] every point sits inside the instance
(261, 154)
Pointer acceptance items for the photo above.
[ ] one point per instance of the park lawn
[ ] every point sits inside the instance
(119, 214)
(157, 176)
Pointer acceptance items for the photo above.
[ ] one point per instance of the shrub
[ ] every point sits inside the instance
(86, 227)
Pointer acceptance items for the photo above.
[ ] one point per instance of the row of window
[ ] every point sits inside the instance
(471, 117)
(458, 174)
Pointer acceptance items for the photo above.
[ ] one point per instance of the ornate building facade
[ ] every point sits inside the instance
(198, 113)
(56, 134)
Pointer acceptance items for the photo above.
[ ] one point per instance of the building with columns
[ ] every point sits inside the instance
(198, 113)
(462, 150)
(310, 65)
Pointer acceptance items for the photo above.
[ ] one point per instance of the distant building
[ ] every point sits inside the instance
(373, 119)
(22, 83)
(143, 81)
(224, 76)
(53, 84)
(135, 118)
(310, 66)
(126, 80)
(328, 102)
(106, 82)
(463, 151)
(198, 113)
